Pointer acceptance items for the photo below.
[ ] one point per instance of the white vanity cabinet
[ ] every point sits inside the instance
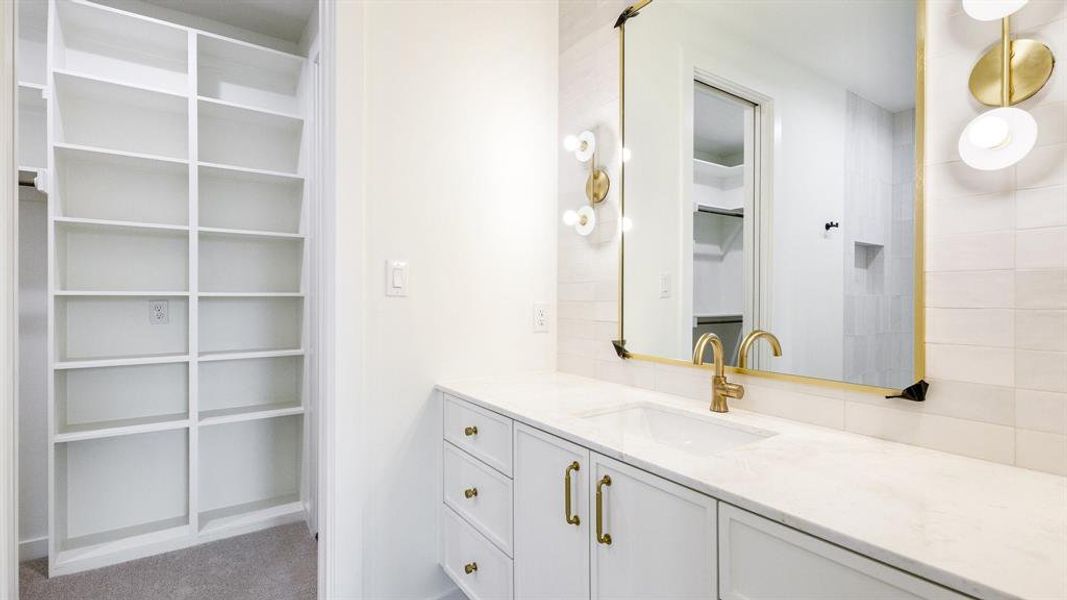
(657, 538)
(551, 542)
(537, 530)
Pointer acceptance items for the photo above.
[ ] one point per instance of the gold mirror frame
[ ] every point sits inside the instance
(920, 251)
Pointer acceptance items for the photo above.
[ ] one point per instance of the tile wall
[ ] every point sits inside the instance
(996, 259)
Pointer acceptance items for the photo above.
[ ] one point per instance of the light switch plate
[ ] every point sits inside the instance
(396, 277)
(665, 285)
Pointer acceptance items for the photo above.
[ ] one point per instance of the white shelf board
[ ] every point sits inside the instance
(264, 113)
(251, 294)
(109, 224)
(251, 171)
(120, 545)
(248, 413)
(252, 233)
(251, 515)
(121, 361)
(64, 147)
(248, 49)
(29, 85)
(108, 81)
(120, 293)
(214, 356)
(108, 429)
(716, 170)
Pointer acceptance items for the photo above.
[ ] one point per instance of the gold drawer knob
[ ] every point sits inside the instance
(470, 430)
(470, 492)
(470, 568)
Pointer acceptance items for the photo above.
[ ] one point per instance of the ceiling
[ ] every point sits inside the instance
(866, 46)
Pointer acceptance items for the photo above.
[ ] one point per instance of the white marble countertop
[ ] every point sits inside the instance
(981, 528)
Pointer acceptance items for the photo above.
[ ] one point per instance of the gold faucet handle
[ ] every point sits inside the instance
(733, 390)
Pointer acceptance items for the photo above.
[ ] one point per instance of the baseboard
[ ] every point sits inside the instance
(35, 548)
(452, 594)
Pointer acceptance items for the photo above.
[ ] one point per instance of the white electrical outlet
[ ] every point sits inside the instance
(540, 317)
(159, 312)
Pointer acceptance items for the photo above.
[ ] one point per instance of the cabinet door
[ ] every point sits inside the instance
(763, 560)
(662, 537)
(551, 551)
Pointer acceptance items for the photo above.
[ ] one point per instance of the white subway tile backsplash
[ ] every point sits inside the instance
(957, 179)
(1041, 451)
(959, 436)
(971, 326)
(1041, 248)
(971, 214)
(1037, 370)
(970, 289)
(971, 252)
(975, 364)
(1041, 411)
(1044, 166)
(1041, 289)
(1041, 207)
(1041, 330)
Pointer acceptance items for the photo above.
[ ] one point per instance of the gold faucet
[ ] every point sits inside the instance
(720, 388)
(742, 354)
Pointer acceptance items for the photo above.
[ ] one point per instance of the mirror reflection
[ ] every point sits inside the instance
(771, 184)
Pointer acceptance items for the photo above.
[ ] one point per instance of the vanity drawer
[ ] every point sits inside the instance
(761, 559)
(484, 434)
(461, 548)
(479, 494)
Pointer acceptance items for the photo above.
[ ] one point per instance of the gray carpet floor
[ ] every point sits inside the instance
(273, 564)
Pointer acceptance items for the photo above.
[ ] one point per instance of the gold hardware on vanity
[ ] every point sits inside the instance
(571, 519)
(746, 345)
(601, 537)
(470, 430)
(470, 493)
(471, 567)
(720, 388)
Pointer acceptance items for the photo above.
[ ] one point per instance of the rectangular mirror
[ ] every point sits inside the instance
(773, 154)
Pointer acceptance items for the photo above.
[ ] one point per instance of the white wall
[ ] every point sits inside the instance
(459, 161)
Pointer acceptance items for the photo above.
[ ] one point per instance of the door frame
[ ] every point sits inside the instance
(8, 309)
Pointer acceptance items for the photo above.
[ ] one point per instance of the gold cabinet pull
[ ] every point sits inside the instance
(601, 537)
(471, 567)
(470, 430)
(571, 519)
(470, 492)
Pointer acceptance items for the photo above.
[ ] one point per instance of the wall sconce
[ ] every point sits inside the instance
(597, 184)
(1007, 74)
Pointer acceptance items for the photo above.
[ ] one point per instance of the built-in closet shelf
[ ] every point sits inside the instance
(251, 294)
(277, 508)
(131, 89)
(122, 361)
(108, 429)
(121, 293)
(251, 111)
(251, 233)
(63, 148)
(28, 85)
(118, 541)
(28, 175)
(215, 356)
(109, 224)
(265, 173)
(711, 169)
(248, 413)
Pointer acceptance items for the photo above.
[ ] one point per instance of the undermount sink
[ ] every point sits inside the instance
(689, 433)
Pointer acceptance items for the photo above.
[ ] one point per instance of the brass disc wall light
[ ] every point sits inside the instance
(597, 184)
(1007, 74)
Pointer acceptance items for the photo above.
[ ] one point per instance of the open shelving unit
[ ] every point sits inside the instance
(175, 159)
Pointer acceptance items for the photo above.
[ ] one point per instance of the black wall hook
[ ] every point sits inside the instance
(831, 225)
